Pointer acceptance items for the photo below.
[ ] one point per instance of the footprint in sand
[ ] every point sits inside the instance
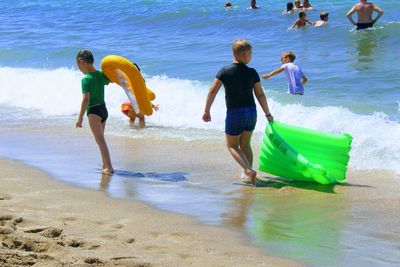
(4, 196)
(6, 225)
(52, 232)
(131, 240)
(5, 218)
(36, 230)
(93, 261)
(75, 244)
(26, 244)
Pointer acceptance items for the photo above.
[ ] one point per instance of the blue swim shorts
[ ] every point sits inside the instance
(240, 119)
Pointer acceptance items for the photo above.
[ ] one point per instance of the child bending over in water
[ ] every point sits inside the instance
(93, 103)
(129, 111)
(241, 83)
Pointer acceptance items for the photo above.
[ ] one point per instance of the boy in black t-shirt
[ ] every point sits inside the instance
(239, 81)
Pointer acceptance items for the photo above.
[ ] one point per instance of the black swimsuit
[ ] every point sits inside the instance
(100, 111)
(361, 26)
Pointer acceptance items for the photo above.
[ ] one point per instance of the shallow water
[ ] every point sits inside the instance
(310, 223)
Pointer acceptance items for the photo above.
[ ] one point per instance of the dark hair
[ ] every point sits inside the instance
(323, 15)
(289, 6)
(86, 56)
(302, 14)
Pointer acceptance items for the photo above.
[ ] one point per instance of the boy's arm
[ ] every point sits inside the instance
(212, 93)
(294, 24)
(349, 14)
(304, 79)
(84, 104)
(258, 91)
(266, 76)
(379, 11)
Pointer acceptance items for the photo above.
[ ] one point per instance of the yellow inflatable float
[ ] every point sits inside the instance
(123, 72)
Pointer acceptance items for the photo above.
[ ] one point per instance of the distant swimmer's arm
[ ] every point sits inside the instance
(304, 79)
(294, 25)
(349, 14)
(266, 76)
(379, 11)
(212, 93)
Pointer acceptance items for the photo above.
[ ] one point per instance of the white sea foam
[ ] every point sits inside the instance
(57, 93)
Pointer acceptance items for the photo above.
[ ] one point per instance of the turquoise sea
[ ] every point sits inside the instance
(354, 81)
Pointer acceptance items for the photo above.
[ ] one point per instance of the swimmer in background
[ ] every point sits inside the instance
(301, 21)
(228, 5)
(253, 4)
(128, 110)
(289, 8)
(364, 12)
(307, 5)
(324, 19)
(297, 4)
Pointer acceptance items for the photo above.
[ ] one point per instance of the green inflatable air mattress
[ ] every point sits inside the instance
(304, 154)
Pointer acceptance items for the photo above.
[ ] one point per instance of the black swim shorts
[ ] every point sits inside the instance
(100, 111)
(361, 26)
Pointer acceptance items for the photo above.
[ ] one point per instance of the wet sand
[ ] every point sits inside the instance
(354, 223)
(44, 222)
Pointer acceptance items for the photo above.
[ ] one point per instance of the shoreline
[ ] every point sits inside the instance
(306, 223)
(57, 224)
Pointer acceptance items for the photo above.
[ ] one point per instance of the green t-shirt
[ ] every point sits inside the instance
(93, 83)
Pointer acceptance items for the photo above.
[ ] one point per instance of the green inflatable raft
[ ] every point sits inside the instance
(304, 154)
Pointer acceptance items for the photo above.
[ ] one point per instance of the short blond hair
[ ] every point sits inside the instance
(241, 46)
(290, 55)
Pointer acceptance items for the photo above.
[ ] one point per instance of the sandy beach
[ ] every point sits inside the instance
(48, 222)
(44, 222)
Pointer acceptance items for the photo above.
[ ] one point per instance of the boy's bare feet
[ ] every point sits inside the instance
(107, 171)
(252, 175)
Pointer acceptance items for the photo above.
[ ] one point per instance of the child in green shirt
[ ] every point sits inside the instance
(93, 103)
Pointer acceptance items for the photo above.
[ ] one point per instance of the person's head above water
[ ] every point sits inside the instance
(289, 6)
(324, 16)
(302, 15)
(253, 4)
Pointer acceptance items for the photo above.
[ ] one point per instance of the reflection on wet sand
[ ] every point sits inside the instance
(303, 224)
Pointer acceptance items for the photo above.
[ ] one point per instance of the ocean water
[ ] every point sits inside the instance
(353, 86)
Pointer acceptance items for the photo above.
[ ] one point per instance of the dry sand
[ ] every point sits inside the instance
(44, 222)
